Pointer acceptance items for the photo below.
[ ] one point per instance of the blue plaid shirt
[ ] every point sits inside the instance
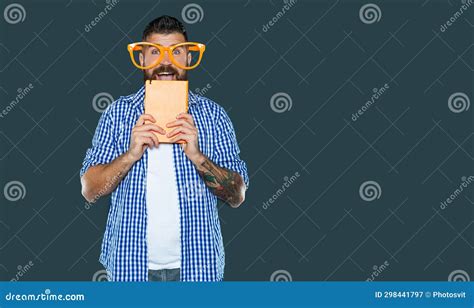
(124, 246)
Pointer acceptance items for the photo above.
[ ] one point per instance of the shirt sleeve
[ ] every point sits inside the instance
(103, 149)
(227, 149)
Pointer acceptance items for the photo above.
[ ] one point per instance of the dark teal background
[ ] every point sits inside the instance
(320, 54)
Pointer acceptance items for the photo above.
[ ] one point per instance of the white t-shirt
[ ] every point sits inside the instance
(163, 227)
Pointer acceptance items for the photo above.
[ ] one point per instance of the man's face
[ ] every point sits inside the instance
(166, 70)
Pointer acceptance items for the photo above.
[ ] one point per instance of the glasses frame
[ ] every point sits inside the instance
(133, 47)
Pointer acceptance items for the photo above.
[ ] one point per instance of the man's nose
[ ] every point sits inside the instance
(166, 59)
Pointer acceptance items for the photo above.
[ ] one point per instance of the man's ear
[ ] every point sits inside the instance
(141, 59)
(189, 58)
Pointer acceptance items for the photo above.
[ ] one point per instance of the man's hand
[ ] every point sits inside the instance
(101, 180)
(186, 130)
(142, 136)
(226, 184)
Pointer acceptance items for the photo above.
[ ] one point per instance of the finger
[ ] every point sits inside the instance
(181, 129)
(145, 117)
(187, 138)
(151, 135)
(179, 123)
(146, 142)
(182, 138)
(188, 117)
(149, 127)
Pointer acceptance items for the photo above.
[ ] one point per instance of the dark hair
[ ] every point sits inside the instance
(165, 25)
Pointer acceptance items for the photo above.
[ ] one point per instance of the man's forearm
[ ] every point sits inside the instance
(226, 184)
(101, 180)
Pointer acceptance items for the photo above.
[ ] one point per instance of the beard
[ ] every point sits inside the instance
(165, 72)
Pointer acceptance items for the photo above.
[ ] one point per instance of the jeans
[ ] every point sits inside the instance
(172, 274)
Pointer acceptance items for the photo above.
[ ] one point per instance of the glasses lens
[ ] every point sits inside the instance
(149, 54)
(186, 55)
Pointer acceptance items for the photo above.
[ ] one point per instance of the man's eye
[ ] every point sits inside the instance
(176, 52)
(155, 52)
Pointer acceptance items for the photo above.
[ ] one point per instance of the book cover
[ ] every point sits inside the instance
(164, 100)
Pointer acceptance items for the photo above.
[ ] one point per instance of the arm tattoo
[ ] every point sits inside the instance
(224, 183)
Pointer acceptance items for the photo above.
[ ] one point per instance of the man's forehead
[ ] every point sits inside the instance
(166, 39)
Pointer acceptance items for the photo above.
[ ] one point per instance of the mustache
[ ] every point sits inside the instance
(165, 69)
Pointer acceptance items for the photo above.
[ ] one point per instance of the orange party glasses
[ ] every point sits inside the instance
(186, 56)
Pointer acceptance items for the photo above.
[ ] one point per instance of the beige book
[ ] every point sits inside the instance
(164, 100)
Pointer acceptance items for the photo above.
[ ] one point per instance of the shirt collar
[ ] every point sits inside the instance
(138, 98)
